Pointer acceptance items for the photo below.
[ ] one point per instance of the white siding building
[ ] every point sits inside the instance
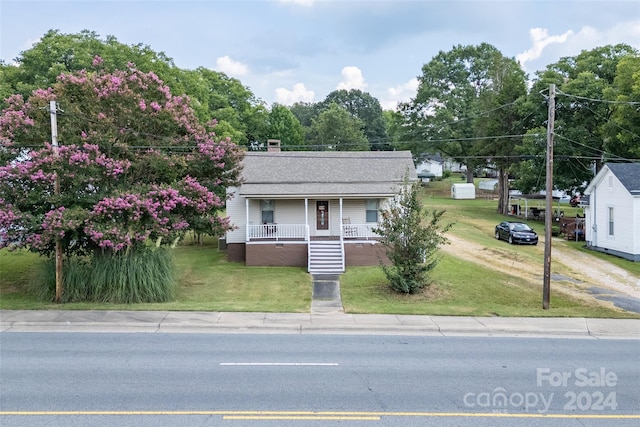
(313, 208)
(612, 214)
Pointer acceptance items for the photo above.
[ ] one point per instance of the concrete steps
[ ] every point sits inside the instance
(325, 257)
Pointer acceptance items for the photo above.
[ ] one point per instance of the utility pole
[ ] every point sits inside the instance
(548, 216)
(53, 109)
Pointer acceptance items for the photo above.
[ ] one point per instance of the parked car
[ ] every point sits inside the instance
(516, 232)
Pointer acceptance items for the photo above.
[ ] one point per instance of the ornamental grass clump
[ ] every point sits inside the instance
(119, 278)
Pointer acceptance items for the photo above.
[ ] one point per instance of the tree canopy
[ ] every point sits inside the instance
(466, 108)
(283, 125)
(594, 119)
(213, 95)
(336, 130)
(365, 107)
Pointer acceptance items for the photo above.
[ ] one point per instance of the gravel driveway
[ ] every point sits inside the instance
(576, 273)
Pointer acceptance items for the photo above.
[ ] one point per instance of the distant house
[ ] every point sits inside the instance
(429, 166)
(612, 210)
(313, 208)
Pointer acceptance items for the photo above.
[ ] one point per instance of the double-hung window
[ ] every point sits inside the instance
(372, 210)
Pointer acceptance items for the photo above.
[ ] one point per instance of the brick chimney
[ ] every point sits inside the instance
(273, 145)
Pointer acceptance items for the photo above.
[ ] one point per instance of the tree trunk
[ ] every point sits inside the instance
(503, 191)
(469, 174)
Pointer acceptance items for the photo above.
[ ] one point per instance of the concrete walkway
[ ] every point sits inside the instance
(326, 297)
(311, 323)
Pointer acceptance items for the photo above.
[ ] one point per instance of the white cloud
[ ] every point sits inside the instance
(299, 94)
(547, 49)
(401, 93)
(230, 67)
(351, 79)
(541, 39)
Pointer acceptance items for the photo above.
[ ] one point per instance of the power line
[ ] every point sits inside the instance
(597, 150)
(605, 101)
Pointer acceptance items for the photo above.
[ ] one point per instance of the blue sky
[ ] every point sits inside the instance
(300, 50)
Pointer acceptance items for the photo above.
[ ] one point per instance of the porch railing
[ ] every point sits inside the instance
(301, 232)
(358, 231)
(278, 231)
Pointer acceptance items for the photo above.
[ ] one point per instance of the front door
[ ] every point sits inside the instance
(322, 215)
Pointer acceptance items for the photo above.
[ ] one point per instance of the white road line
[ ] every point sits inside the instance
(277, 364)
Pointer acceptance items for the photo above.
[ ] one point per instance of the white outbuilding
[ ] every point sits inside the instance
(463, 191)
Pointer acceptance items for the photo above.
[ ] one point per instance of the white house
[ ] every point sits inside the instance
(612, 212)
(313, 208)
(429, 166)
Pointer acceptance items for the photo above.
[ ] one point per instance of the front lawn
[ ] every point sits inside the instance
(207, 282)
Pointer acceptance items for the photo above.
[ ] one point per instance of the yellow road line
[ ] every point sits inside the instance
(317, 414)
(301, 417)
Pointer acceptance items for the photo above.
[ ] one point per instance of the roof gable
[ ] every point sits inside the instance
(627, 173)
(325, 172)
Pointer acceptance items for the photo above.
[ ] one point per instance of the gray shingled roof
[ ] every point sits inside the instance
(325, 173)
(628, 174)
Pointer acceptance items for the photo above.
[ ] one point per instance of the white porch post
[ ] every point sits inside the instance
(306, 215)
(340, 219)
(246, 219)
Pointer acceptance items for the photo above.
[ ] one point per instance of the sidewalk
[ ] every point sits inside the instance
(311, 323)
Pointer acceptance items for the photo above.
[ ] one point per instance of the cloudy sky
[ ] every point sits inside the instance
(300, 50)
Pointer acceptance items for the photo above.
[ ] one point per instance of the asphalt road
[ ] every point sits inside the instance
(104, 379)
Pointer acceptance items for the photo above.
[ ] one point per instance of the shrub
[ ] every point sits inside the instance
(411, 240)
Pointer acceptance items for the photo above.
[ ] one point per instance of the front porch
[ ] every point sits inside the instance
(323, 235)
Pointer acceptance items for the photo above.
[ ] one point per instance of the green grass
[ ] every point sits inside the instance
(208, 282)
(462, 289)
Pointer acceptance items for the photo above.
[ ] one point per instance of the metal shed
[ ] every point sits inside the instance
(463, 191)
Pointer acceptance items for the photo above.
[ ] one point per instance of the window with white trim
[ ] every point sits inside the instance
(372, 210)
(267, 208)
(611, 221)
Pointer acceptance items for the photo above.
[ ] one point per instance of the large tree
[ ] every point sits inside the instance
(466, 109)
(214, 95)
(501, 122)
(56, 53)
(134, 165)
(588, 128)
(239, 113)
(366, 108)
(337, 130)
(283, 125)
(443, 114)
(622, 133)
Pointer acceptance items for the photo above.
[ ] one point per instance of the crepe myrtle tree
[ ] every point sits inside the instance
(134, 167)
(411, 237)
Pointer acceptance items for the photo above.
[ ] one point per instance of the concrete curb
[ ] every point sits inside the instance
(311, 323)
